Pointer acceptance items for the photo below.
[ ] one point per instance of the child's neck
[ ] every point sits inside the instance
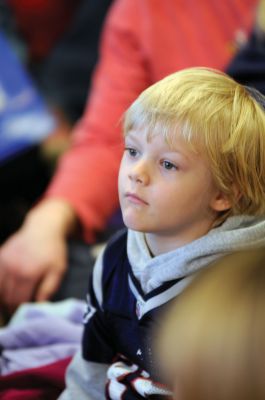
(162, 243)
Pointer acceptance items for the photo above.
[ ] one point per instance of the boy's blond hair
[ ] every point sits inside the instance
(211, 343)
(220, 119)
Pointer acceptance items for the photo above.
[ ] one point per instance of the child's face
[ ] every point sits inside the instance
(165, 191)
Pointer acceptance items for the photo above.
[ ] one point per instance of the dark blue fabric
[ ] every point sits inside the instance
(248, 66)
(114, 332)
(114, 328)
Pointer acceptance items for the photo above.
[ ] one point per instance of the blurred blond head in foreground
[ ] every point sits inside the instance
(212, 342)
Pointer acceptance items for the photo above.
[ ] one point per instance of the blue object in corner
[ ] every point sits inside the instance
(24, 117)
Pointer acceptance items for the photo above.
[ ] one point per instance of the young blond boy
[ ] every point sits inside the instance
(191, 188)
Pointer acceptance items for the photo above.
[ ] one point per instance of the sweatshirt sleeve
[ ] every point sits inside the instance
(86, 177)
(86, 375)
(84, 380)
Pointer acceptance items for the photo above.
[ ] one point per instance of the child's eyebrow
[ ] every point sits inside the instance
(174, 149)
(178, 152)
(131, 135)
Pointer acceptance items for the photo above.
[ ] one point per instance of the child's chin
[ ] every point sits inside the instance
(134, 220)
(134, 225)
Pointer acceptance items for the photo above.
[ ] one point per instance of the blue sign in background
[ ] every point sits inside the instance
(24, 117)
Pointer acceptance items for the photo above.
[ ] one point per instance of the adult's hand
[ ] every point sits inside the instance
(33, 260)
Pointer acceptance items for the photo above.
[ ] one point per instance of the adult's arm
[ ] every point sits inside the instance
(84, 189)
(87, 175)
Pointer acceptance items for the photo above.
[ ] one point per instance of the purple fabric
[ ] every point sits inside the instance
(39, 332)
(40, 337)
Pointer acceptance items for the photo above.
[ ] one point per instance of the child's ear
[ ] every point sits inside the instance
(220, 202)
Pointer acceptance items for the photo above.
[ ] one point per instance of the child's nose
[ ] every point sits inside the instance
(139, 174)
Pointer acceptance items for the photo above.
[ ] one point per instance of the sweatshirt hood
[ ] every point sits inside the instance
(236, 233)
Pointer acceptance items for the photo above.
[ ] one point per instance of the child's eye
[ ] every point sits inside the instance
(168, 165)
(131, 151)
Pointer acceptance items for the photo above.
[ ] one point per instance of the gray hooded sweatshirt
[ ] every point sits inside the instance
(86, 380)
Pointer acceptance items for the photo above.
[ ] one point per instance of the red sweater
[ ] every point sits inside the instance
(143, 41)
